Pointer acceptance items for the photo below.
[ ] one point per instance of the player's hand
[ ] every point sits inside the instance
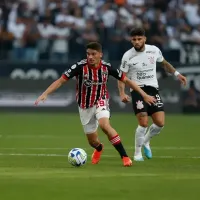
(43, 97)
(125, 98)
(149, 99)
(182, 79)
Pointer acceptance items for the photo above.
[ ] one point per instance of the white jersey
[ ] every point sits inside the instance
(141, 66)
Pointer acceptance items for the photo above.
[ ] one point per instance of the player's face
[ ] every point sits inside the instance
(138, 42)
(94, 56)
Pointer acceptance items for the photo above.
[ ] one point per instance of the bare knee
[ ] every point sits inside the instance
(142, 119)
(159, 119)
(159, 123)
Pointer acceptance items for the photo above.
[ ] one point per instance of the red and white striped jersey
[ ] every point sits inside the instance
(91, 81)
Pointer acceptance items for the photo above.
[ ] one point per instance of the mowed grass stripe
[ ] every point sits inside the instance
(106, 148)
(80, 174)
(108, 156)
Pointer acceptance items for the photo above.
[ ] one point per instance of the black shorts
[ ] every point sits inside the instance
(139, 105)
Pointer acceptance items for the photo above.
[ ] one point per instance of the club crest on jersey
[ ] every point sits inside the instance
(151, 60)
(104, 76)
(86, 76)
(139, 105)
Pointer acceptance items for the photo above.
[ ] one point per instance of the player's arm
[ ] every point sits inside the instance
(53, 87)
(121, 87)
(169, 68)
(132, 84)
(118, 74)
(124, 67)
(70, 73)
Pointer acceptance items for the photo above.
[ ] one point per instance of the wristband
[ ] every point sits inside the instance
(176, 73)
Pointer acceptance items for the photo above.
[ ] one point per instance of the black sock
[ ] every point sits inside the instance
(116, 142)
(99, 147)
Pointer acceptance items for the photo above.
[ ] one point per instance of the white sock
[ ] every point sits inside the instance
(153, 130)
(139, 139)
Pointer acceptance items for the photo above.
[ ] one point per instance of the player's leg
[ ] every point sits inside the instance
(90, 126)
(158, 124)
(114, 138)
(102, 115)
(158, 118)
(90, 130)
(140, 132)
(140, 109)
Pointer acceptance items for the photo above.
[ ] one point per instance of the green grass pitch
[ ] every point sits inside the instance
(33, 160)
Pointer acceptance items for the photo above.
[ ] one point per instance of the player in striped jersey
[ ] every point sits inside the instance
(92, 97)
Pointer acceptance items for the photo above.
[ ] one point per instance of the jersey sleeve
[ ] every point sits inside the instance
(116, 73)
(124, 66)
(160, 57)
(72, 71)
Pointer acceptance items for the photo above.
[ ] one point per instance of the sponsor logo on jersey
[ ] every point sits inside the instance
(89, 83)
(73, 66)
(142, 75)
(152, 52)
(144, 64)
(67, 74)
(124, 64)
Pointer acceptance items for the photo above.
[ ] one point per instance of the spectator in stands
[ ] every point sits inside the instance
(6, 40)
(172, 22)
(17, 28)
(46, 31)
(60, 43)
(31, 38)
(191, 99)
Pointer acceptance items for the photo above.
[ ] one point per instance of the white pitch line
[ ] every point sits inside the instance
(33, 154)
(88, 148)
(108, 156)
(34, 136)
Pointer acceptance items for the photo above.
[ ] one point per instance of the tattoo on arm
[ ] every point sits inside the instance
(168, 67)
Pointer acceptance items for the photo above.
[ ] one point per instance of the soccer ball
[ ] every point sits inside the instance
(77, 157)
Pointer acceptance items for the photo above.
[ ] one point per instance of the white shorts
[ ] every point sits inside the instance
(89, 117)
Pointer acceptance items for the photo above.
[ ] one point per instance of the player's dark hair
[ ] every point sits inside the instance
(95, 46)
(138, 31)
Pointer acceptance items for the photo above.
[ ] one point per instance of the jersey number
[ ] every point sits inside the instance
(101, 103)
(158, 97)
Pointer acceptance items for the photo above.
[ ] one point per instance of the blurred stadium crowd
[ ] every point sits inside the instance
(56, 30)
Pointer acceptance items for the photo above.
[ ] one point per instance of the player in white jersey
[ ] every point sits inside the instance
(139, 64)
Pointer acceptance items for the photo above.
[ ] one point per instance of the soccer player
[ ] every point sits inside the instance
(92, 98)
(139, 64)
